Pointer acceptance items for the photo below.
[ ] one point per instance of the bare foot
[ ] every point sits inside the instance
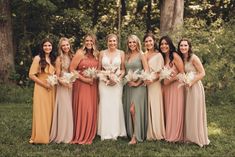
(133, 141)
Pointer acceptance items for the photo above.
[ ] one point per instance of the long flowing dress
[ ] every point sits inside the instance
(156, 123)
(85, 101)
(195, 111)
(43, 104)
(111, 122)
(62, 125)
(174, 109)
(138, 97)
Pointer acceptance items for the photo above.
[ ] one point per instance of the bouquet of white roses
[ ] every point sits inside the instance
(69, 77)
(52, 79)
(132, 75)
(165, 73)
(186, 78)
(90, 72)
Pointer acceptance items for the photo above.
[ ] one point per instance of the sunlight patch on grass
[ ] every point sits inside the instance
(214, 129)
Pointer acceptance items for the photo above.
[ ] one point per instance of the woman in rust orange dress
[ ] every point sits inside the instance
(85, 92)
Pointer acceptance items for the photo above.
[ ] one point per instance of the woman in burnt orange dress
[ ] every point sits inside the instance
(85, 92)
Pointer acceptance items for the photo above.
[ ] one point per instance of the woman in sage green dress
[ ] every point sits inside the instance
(135, 94)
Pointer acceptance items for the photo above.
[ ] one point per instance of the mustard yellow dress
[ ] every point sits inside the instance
(43, 104)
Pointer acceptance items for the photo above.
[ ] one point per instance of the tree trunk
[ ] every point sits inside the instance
(6, 44)
(171, 19)
(148, 19)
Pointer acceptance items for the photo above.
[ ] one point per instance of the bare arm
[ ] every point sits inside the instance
(200, 70)
(180, 67)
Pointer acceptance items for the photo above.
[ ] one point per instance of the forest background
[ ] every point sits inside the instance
(210, 24)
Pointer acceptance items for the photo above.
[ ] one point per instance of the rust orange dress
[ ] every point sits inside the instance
(43, 104)
(85, 101)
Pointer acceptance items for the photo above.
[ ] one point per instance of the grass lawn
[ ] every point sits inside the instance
(15, 131)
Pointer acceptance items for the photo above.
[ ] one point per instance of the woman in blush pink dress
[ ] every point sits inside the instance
(85, 92)
(62, 125)
(173, 93)
(195, 107)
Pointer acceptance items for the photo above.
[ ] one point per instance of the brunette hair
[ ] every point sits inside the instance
(43, 63)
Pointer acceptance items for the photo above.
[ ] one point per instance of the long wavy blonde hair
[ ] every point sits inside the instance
(95, 51)
(137, 40)
(61, 54)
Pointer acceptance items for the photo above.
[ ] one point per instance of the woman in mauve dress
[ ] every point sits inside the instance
(173, 93)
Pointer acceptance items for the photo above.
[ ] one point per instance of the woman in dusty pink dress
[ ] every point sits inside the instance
(195, 107)
(85, 92)
(62, 124)
(173, 93)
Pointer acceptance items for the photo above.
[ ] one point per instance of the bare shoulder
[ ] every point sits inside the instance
(195, 59)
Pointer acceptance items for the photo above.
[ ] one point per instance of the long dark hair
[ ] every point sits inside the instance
(149, 34)
(43, 63)
(172, 49)
(190, 52)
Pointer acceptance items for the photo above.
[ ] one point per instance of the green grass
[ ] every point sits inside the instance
(15, 131)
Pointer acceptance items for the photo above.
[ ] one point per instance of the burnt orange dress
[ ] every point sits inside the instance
(85, 101)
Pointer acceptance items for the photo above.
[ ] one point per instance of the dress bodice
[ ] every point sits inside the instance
(134, 64)
(87, 62)
(65, 62)
(109, 63)
(189, 67)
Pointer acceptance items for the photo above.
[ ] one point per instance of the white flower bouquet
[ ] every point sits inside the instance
(109, 74)
(69, 77)
(186, 78)
(52, 79)
(132, 75)
(90, 72)
(165, 73)
(147, 75)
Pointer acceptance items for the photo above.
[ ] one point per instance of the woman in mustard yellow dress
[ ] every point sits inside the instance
(44, 93)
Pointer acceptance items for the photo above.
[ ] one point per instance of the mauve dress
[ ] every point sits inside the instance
(174, 109)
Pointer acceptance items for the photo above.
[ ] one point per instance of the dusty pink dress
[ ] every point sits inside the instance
(195, 111)
(85, 100)
(174, 109)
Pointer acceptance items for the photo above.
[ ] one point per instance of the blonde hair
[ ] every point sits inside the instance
(60, 51)
(137, 40)
(94, 40)
(111, 36)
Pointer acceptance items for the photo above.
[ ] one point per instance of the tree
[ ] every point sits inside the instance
(171, 12)
(6, 44)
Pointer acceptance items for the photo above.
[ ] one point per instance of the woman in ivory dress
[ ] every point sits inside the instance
(111, 118)
(135, 94)
(156, 123)
(195, 107)
(62, 125)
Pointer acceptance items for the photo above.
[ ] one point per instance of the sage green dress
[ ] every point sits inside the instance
(138, 97)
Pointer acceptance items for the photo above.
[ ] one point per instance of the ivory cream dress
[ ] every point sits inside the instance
(195, 111)
(156, 122)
